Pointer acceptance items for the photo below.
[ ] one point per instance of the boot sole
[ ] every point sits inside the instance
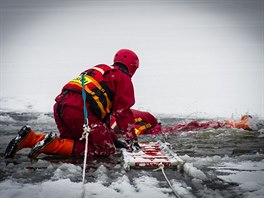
(11, 149)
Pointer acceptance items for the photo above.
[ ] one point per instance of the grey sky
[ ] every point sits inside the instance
(196, 56)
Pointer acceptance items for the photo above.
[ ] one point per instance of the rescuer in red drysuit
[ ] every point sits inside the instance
(112, 95)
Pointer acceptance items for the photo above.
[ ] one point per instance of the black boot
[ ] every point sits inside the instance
(12, 147)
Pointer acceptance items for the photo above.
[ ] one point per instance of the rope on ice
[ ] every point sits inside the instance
(161, 167)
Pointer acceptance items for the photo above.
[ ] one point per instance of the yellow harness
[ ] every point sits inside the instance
(100, 98)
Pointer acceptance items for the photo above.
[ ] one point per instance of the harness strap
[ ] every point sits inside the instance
(108, 103)
(100, 96)
(84, 102)
(96, 98)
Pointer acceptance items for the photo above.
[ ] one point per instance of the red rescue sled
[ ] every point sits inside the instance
(153, 155)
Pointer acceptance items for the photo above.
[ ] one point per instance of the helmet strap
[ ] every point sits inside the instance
(122, 68)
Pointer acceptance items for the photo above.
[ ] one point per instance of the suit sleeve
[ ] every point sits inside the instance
(123, 100)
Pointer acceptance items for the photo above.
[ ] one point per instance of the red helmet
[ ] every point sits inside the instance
(127, 58)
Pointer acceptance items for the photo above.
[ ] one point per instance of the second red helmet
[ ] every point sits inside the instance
(129, 59)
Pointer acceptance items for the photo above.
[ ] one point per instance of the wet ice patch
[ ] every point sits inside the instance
(142, 188)
(63, 184)
(101, 174)
(245, 165)
(248, 174)
(123, 186)
(6, 118)
(150, 185)
(182, 189)
(70, 171)
(252, 189)
(194, 172)
(42, 119)
(60, 188)
(261, 133)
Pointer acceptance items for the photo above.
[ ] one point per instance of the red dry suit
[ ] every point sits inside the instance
(145, 123)
(69, 115)
(246, 123)
(193, 126)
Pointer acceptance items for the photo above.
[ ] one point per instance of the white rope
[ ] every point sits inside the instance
(86, 131)
(161, 167)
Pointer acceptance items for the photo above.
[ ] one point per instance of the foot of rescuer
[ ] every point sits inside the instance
(26, 138)
(40, 143)
(52, 144)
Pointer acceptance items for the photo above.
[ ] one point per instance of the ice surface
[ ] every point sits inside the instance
(140, 187)
(212, 168)
(248, 174)
(60, 185)
(194, 172)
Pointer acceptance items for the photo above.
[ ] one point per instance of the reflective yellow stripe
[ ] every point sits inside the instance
(139, 130)
(78, 80)
(75, 83)
(96, 98)
(108, 103)
(87, 80)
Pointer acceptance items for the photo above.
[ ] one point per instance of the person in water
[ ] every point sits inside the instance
(146, 123)
(246, 122)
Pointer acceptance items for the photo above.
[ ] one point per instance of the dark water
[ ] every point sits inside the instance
(214, 158)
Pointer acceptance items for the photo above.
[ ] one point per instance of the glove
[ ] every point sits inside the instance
(120, 144)
(133, 145)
